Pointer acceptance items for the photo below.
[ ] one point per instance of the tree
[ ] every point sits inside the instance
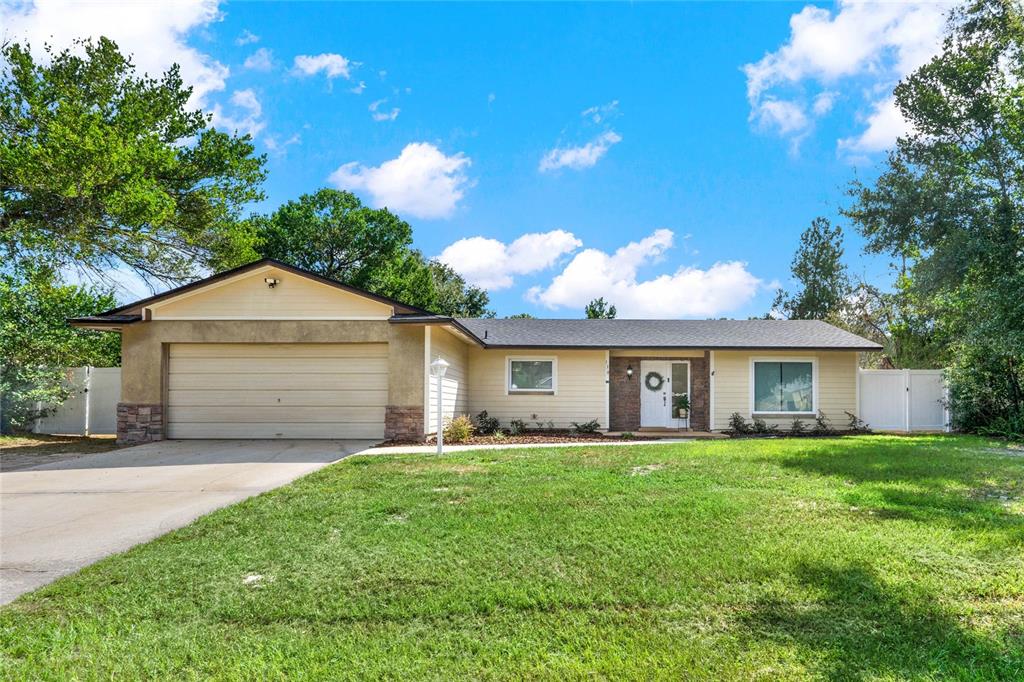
(331, 233)
(521, 316)
(950, 204)
(598, 309)
(101, 167)
(819, 268)
(36, 343)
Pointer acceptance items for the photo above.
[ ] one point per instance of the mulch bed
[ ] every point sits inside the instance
(534, 437)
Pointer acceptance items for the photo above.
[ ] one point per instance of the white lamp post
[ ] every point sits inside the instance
(437, 369)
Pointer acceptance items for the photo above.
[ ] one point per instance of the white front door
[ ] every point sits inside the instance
(655, 393)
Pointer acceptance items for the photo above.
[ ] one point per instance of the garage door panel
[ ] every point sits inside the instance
(279, 350)
(235, 382)
(273, 430)
(337, 398)
(277, 390)
(284, 415)
(278, 365)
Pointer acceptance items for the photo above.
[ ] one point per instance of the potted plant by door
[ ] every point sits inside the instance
(682, 405)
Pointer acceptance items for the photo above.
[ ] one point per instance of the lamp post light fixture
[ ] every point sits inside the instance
(437, 369)
(629, 371)
(271, 281)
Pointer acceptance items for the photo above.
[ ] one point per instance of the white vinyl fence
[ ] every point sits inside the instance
(91, 409)
(903, 399)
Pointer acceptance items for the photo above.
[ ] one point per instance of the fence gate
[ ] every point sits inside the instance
(92, 407)
(903, 399)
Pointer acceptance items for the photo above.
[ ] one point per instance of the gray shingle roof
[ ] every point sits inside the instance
(711, 334)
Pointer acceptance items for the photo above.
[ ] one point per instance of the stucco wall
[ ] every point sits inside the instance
(581, 388)
(454, 386)
(837, 385)
(143, 347)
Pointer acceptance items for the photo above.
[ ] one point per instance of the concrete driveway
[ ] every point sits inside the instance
(58, 517)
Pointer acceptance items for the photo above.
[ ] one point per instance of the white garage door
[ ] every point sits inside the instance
(228, 390)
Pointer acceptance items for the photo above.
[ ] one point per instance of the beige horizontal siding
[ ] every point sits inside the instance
(249, 297)
(277, 390)
(454, 386)
(580, 382)
(837, 385)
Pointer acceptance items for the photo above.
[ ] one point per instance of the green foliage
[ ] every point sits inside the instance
(486, 424)
(458, 429)
(516, 427)
(738, 425)
(599, 309)
(37, 345)
(856, 424)
(499, 435)
(521, 316)
(760, 426)
(331, 233)
(797, 428)
(949, 208)
(681, 402)
(822, 425)
(102, 166)
(819, 268)
(591, 426)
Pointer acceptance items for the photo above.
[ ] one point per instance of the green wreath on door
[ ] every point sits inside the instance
(654, 381)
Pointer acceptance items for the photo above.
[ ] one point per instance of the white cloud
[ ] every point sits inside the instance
(154, 34)
(780, 115)
(247, 37)
(492, 264)
(687, 292)
(248, 118)
(580, 157)
(884, 125)
(333, 65)
(866, 46)
(359, 88)
(280, 148)
(601, 112)
(379, 115)
(422, 182)
(260, 60)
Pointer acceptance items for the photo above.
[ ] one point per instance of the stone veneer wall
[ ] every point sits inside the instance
(140, 422)
(403, 423)
(624, 392)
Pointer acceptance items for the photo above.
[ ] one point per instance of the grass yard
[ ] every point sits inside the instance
(860, 558)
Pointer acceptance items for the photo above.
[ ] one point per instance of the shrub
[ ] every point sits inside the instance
(586, 427)
(516, 427)
(458, 430)
(822, 426)
(761, 426)
(797, 428)
(499, 435)
(1010, 427)
(857, 425)
(626, 435)
(486, 424)
(737, 424)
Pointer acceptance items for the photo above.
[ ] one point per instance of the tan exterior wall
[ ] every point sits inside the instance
(837, 385)
(454, 386)
(249, 298)
(581, 388)
(143, 346)
(405, 366)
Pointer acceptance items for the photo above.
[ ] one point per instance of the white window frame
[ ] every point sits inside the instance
(814, 385)
(509, 359)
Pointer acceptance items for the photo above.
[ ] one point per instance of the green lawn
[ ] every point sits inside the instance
(859, 558)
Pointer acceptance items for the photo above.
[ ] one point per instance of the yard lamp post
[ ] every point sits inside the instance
(437, 369)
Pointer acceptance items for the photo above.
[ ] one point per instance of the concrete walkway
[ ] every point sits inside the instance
(430, 449)
(58, 517)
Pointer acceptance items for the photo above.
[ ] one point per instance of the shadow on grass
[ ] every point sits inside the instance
(861, 629)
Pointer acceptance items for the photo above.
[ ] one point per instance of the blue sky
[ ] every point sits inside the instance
(665, 156)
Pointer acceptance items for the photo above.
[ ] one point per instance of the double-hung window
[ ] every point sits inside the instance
(783, 386)
(531, 375)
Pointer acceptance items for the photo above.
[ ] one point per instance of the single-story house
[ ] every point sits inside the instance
(268, 350)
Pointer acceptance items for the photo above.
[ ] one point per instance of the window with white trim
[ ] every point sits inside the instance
(531, 375)
(783, 386)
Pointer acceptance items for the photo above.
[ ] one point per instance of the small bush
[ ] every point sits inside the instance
(516, 427)
(857, 425)
(458, 430)
(761, 426)
(586, 427)
(822, 426)
(797, 428)
(486, 424)
(499, 435)
(737, 424)
(1010, 427)
(626, 435)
